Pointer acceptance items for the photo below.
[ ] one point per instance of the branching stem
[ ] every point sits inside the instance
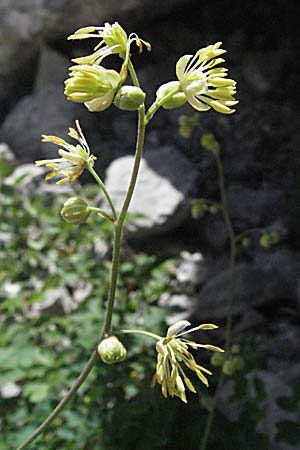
(119, 221)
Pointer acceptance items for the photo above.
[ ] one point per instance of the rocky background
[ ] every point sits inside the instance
(260, 151)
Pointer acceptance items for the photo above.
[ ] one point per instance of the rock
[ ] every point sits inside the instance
(53, 67)
(251, 207)
(26, 175)
(213, 232)
(5, 153)
(258, 70)
(271, 397)
(161, 197)
(190, 270)
(271, 277)
(179, 304)
(7, 161)
(59, 302)
(45, 112)
(10, 390)
(26, 25)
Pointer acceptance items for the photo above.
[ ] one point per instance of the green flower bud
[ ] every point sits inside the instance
(217, 359)
(75, 211)
(228, 367)
(209, 143)
(213, 209)
(265, 241)
(129, 98)
(246, 242)
(274, 237)
(175, 101)
(238, 363)
(111, 350)
(235, 349)
(199, 208)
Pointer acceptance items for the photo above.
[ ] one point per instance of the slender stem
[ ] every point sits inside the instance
(145, 333)
(122, 216)
(102, 213)
(74, 388)
(233, 251)
(133, 74)
(136, 165)
(231, 291)
(246, 232)
(103, 188)
(114, 277)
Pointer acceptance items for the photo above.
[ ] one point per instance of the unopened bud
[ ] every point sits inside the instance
(228, 367)
(209, 143)
(111, 350)
(172, 101)
(217, 359)
(75, 211)
(129, 98)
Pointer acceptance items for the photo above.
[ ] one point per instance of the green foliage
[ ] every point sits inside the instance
(44, 352)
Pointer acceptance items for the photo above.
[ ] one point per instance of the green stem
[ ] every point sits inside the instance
(246, 232)
(231, 291)
(74, 388)
(114, 277)
(145, 333)
(103, 188)
(102, 213)
(122, 216)
(133, 74)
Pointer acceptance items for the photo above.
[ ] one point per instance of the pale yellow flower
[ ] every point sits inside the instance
(94, 86)
(205, 85)
(114, 40)
(73, 159)
(173, 353)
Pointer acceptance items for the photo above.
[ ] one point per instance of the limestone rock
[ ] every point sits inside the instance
(165, 181)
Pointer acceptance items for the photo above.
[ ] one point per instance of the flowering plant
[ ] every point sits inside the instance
(203, 86)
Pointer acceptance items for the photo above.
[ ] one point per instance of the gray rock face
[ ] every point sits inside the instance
(252, 207)
(59, 302)
(46, 112)
(190, 270)
(271, 277)
(26, 24)
(161, 197)
(53, 67)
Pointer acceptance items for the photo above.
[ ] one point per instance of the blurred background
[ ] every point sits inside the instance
(54, 276)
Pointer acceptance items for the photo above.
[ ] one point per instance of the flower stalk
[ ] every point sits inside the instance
(231, 294)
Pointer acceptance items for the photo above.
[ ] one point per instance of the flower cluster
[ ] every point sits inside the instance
(89, 82)
(73, 159)
(173, 353)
